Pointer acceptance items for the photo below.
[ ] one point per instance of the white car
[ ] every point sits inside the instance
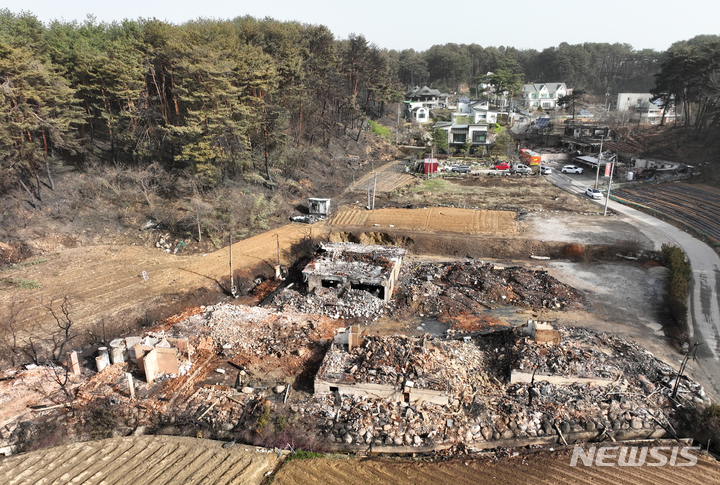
(545, 170)
(572, 169)
(593, 193)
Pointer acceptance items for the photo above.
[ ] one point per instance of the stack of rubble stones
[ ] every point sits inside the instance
(487, 408)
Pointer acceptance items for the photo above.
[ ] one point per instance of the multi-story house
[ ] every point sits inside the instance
(542, 95)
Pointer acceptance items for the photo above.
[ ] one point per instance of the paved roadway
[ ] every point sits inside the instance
(704, 305)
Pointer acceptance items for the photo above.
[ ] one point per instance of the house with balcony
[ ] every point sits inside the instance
(460, 135)
(542, 95)
(474, 112)
(652, 113)
(426, 97)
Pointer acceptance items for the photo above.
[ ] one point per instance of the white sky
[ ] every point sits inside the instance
(419, 24)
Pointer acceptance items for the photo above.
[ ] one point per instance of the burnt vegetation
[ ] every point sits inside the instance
(218, 126)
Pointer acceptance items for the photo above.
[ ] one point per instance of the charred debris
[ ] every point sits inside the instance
(309, 370)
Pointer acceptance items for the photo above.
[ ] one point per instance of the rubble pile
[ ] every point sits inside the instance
(362, 421)
(589, 354)
(423, 363)
(485, 406)
(473, 286)
(238, 329)
(338, 303)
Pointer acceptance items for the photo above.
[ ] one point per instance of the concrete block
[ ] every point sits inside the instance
(150, 365)
(73, 363)
(167, 360)
(549, 336)
(182, 344)
(140, 352)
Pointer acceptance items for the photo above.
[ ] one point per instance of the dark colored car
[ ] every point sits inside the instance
(461, 169)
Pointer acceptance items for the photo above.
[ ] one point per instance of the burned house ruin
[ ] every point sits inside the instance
(355, 266)
(403, 369)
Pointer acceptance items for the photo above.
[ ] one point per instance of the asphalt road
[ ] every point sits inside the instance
(703, 301)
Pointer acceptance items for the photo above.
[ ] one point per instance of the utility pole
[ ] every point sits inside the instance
(277, 235)
(682, 369)
(374, 188)
(368, 195)
(232, 284)
(607, 198)
(397, 127)
(597, 175)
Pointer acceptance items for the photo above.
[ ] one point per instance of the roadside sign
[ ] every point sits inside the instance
(608, 166)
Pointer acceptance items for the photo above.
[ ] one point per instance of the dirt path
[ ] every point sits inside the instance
(146, 459)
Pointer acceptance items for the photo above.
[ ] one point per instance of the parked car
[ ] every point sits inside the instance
(545, 170)
(460, 169)
(572, 169)
(521, 168)
(593, 193)
(502, 166)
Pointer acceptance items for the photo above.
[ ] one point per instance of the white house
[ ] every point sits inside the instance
(632, 100)
(542, 95)
(458, 135)
(474, 112)
(651, 114)
(426, 97)
(420, 114)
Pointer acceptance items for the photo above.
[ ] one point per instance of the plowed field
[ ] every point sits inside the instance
(435, 219)
(389, 177)
(148, 460)
(541, 468)
(697, 206)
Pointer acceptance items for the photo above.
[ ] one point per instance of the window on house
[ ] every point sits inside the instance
(458, 137)
(421, 115)
(479, 137)
(546, 105)
(535, 96)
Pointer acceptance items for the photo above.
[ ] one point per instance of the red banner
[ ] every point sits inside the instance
(607, 169)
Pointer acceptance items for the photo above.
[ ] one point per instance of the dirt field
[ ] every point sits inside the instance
(389, 177)
(435, 219)
(105, 282)
(147, 459)
(489, 192)
(546, 467)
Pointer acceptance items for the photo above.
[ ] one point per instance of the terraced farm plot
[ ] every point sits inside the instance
(153, 460)
(541, 468)
(434, 219)
(389, 177)
(697, 206)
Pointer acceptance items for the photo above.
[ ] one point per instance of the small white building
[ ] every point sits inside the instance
(626, 101)
(420, 115)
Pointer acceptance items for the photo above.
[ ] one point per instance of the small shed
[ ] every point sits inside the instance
(319, 207)
(430, 165)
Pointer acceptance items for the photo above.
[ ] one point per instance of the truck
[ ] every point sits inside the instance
(530, 157)
(521, 168)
